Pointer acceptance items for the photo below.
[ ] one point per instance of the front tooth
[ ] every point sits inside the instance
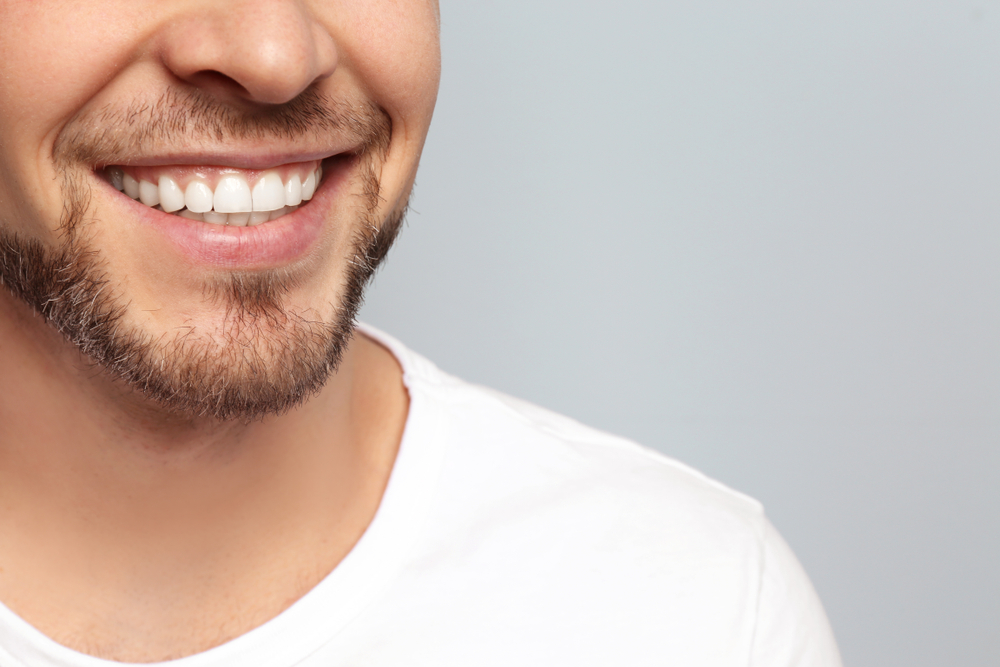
(216, 217)
(191, 215)
(131, 186)
(309, 186)
(239, 219)
(198, 197)
(293, 191)
(277, 214)
(232, 195)
(171, 195)
(269, 193)
(116, 176)
(149, 194)
(258, 217)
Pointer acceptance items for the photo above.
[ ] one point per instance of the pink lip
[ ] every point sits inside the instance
(259, 161)
(267, 245)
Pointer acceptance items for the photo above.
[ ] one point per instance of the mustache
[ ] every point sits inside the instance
(117, 134)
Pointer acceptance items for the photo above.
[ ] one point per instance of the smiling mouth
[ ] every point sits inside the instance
(220, 195)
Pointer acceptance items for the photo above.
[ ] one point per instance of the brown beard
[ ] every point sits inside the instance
(266, 359)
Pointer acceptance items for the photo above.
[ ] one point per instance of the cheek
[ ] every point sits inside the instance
(54, 57)
(393, 48)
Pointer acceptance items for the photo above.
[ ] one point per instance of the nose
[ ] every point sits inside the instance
(265, 51)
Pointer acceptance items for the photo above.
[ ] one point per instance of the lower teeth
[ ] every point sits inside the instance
(234, 219)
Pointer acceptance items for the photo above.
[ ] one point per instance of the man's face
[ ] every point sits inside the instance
(213, 292)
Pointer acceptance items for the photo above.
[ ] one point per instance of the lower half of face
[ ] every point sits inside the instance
(196, 192)
(214, 291)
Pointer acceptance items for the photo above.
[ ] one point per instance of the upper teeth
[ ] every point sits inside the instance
(232, 202)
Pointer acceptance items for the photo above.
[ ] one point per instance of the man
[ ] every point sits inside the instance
(202, 460)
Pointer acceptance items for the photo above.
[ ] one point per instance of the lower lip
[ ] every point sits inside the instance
(266, 245)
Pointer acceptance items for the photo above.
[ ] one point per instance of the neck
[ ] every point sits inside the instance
(172, 522)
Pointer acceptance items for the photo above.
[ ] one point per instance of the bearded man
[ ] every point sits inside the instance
(204, 460)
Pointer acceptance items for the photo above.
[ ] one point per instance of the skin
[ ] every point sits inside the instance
(187, 532)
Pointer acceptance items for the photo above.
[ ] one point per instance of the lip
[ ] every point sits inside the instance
(268, 245)
(248, 161)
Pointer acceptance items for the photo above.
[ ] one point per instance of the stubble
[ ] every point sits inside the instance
(265, 358)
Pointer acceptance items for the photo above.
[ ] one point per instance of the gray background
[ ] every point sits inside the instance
(760, 237)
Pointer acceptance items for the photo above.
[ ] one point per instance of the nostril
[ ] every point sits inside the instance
(218, 82)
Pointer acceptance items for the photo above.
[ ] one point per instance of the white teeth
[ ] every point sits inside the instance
(116, 176)
(258, 217)
(309, 186)
(293, 191)
(233, 202)
(131, 186)
(239, 219)
(215, 217)
(198, 197)
(232, 195)
(269, 193)
(149, 194)
(171, 195)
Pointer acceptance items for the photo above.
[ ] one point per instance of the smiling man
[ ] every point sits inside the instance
(203, 460)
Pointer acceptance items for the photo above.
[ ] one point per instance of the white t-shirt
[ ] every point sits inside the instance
(509, 535)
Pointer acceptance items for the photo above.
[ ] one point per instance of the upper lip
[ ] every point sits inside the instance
(248, 159)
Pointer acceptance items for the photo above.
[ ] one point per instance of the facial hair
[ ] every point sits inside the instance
(266, 358)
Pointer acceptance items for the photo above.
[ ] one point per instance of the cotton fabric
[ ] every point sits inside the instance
(510, 535)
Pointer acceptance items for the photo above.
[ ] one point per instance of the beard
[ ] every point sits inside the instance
(264, 358)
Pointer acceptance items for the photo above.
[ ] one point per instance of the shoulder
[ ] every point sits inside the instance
(608, 536)
(505, 454)
(513, 448)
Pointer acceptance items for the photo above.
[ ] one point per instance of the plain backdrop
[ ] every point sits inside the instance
(763, 238)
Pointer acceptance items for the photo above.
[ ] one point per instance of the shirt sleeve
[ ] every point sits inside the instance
(791, 627)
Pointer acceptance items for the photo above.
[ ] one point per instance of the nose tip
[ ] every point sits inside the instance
(264, 51)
